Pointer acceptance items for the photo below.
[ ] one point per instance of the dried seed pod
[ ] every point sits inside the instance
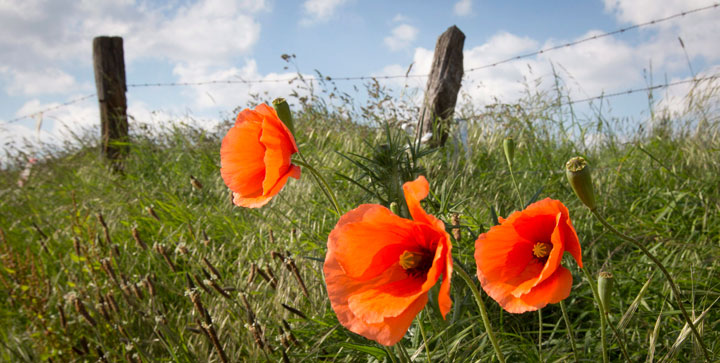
(253, 271)
(456, 223)
(212, 268)
(138, 240)
(152, 213)
(80, 309)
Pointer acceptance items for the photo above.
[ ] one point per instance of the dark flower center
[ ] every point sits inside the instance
(541, 249)
(415, 262)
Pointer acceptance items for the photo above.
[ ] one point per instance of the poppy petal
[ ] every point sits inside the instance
(385, 301)
(554, 289)
(369, 239)
(553, 261)
(501, 254)
(248, 115)
(241, 159)
(279, 149)
(340, 288)
(415, 191)
(444, 300)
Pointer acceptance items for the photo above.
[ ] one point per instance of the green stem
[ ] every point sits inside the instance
(422, 332)
(673, 287)
(571, 336)
(321, 182)
(483, 311)
(540, 331)
(601, 310)
(517, 190)
(617, 336)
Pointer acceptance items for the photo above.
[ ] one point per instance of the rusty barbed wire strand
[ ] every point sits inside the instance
(362, 78)
(64, 104)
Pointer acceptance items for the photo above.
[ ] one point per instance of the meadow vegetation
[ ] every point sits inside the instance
(156, 263)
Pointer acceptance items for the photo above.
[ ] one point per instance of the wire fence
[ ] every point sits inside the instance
(407, 75)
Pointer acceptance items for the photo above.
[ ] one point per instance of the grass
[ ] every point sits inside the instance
(200, 276)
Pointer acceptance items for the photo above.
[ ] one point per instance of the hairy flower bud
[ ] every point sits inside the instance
(283, 111)
(579, 176)
(509, 147)
(605, 286)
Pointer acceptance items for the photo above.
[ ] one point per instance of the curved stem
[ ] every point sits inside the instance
(673, 287)
(517, 190)
(483, 311)
(321, 182)
(601, 311)
(571, 336)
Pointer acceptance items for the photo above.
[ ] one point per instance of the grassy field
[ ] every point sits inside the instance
(149, 266)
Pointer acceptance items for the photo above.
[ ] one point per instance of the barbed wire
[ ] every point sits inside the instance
(594, 37)
(64, 104)
(644, 89)
(489, 65)
(396, 76)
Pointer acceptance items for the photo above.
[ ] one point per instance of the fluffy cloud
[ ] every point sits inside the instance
(317, 11)
(401, 37)
(60, 32)
(227, 96)
(43, 81)
(604, 65)
(463, 8)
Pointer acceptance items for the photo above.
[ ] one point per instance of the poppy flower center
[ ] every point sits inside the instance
(415, 262)
(541, 249)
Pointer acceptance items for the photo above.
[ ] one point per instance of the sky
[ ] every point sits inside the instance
(46, 48)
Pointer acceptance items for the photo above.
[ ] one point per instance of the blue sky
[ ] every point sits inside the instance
(46, 47)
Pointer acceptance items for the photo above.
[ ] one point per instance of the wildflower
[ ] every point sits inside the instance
(255, 157)
(379, 267)
(518, 261)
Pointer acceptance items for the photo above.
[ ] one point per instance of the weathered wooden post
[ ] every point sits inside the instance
(109, 67)
(443, 86)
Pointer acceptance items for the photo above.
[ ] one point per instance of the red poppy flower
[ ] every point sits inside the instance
(379, 267)
(255, 157)
(518, 261)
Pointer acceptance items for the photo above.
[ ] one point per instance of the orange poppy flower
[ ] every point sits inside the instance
(255, 157)
(379, 267)
(518, 261)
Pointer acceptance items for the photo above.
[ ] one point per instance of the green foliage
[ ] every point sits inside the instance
(57, 256)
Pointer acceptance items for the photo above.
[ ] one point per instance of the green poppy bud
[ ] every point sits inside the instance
(283, 110)
(509, 147)
(394, 208)
(579, 176)
(605, 286)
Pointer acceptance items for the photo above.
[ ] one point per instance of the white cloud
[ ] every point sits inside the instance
(317, 11)
(401, 37)
(44, 81)
(61, 31)
(463, 8)
(237, 94)
(698, 30)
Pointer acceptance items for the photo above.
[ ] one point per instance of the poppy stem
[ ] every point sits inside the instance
(321, 182)
(424, 337)
(601, 312)
(571, 336)
(540, 334)
(673, 287)
(517, 190)
(483, 310)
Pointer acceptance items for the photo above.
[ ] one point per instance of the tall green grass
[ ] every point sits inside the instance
(72, 292)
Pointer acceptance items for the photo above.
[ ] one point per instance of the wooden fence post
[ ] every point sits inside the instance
(443, 86)
(109, 64)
